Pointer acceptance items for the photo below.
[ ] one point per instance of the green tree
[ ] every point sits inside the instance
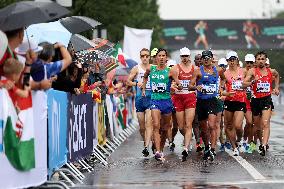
(115, 14)
(5, 3)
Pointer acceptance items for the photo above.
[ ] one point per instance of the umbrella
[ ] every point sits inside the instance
(131, 63)
(78, 24)
(25, 13)
(80, 43)
(89, 56)
(104, 45)
(51, 32)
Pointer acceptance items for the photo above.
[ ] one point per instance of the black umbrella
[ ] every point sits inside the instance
(80, 43)
(78, 24)
(25, 13)
(90, 56)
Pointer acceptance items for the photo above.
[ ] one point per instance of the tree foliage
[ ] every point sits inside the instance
(142, 14)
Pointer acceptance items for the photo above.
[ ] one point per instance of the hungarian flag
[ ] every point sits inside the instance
(18, 131)
(118, 55)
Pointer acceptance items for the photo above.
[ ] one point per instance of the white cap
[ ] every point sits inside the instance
(3, 44)
(230, 54)
(222, 61)
(241, 64)
(184, 51)
(249, 58)
(171, 62)
(28, 44)
(267, 61)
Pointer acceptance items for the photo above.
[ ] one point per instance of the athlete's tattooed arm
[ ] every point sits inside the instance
(248, 78)
(145, 79)
(131, 77)
(276, 81)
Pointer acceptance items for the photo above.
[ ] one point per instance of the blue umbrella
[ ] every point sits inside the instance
(51, 32)
(131, 63)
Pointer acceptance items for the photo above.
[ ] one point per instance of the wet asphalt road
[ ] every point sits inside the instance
(127, 168)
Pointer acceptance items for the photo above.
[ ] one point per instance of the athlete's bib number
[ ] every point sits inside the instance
(209, 89)
(159, 87)
(263, 87)
(237, 85)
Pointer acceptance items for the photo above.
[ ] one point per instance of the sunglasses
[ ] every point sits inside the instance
(184, 56)
(249, 62)
(232, 59)
(144, 55)
(206, 58)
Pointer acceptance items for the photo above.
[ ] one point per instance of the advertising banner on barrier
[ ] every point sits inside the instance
(109, 107)
(101, 124)
(57, 129)
(224, 34)
(18, 172)
(80, 126)
(95, 126)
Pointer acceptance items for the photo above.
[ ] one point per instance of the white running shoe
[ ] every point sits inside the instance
(236, 152)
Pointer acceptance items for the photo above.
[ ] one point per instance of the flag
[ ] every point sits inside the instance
(18, 131)
(118, 55)
(119, 113)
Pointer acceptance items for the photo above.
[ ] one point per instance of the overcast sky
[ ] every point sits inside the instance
(214, 9)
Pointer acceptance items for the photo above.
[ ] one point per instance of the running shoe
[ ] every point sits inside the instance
(184, 154)
(190, 147)
(267, 147)
(145, 152)
(213, 152)
(222, 148)
(208, 155)
(198, 148)
(252, 148)
(228, 145)
(153, 148)
(241, 147)
(262, 150)
(236, 152)
(159, 156)
(172, 146)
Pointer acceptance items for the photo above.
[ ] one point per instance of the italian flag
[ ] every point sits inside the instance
(18, 131)
(118, 55)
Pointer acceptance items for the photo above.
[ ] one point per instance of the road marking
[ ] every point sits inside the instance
(247, 166)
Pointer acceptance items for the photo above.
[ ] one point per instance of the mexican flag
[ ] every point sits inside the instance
(118, 55)
(18, 131)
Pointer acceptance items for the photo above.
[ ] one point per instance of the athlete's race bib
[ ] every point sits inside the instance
(185, 84)
(248, 89)
(159, 87)
(237, 85)
(148, 86)
(263, 87)
(209, 89)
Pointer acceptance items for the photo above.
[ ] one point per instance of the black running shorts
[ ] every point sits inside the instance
(260, 104)
(205, 107)
(233, 106)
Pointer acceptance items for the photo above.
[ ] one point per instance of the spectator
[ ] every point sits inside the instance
(95, 74)
(12, 70)
(51, 68)
(72, 81)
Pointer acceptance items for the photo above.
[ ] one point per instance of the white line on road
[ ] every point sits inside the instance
(247, 166)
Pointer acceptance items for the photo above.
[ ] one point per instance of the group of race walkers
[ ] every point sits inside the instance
(211, 98)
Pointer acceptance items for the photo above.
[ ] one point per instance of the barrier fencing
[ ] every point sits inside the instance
(70, 134)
